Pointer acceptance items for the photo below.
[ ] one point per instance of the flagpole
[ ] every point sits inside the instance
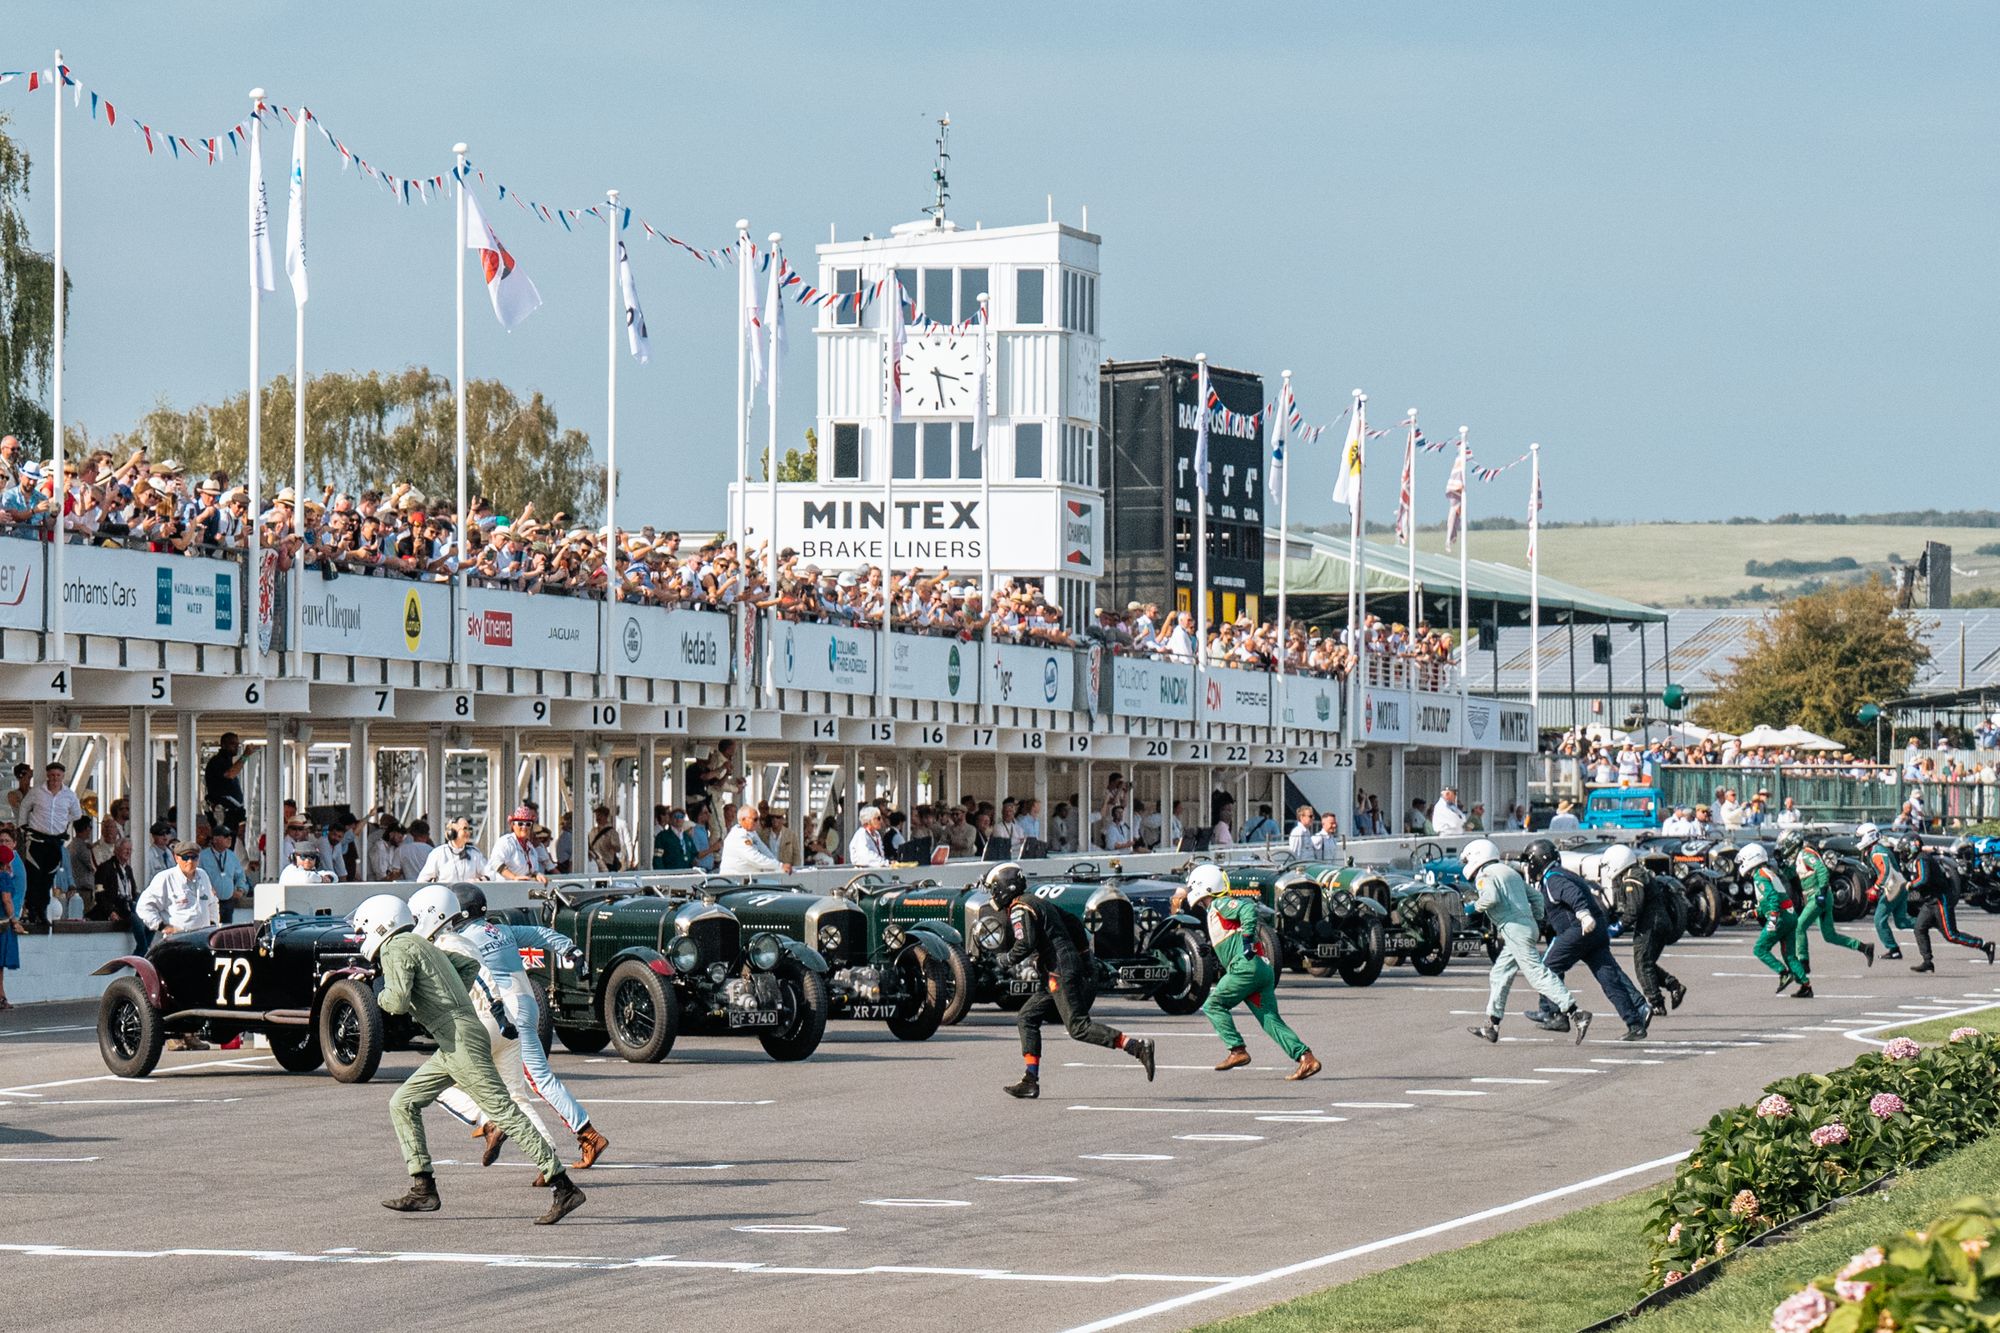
(771, 411)
(1284, 529)
(460, 449)
(58, 483)
(1357, 570)
(611, 313)
(1534, 589)
(1201, 540)
(1464, 543)
(253, 573)
(739, 512)
(980, 430)
(1410, 520)
(299, 421)
(892, 408)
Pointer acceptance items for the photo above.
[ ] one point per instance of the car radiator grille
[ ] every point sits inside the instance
(719, 939)
(1114, 937)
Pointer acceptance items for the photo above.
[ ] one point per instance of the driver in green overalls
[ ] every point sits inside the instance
(1815, 881)
(1780, 923)
(1247, 977)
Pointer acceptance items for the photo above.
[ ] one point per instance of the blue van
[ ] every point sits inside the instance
(1621, 807)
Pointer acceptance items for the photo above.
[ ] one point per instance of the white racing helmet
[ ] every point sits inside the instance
(1476, 855)
(1618, 860)
(433, 907)
(1205, 882)
(1754, 855)
(1867, 835)
(377, 919)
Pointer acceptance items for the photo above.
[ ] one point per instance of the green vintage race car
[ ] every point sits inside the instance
(1139, 946)
(662, 959)
(940, 922)
(1323, 919)
(896, 975)
(1423, 918)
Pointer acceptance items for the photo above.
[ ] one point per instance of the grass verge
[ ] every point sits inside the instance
(1930, 1031)
(1572, 1271)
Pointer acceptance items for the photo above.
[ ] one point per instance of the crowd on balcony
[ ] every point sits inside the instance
(1144, 631)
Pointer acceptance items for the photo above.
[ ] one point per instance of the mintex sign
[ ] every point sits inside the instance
(1037, 530)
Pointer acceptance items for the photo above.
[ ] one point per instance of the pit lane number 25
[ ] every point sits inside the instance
(227, 997)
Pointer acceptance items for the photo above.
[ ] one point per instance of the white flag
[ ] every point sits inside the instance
(1201, 392)
(892, 323)
(774, 319)
(635, 318)
(1454, 491)
(1535, 506)
(295, 215)
(262, 279)
(514, 296)
(1347, 483)
(979, 423)
(753, 322)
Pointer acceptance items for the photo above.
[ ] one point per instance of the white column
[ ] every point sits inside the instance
(676, 772)
(187, 771)
(506, 784)
(253, 585)
(1042, 793)
(139, 743)
(271, 809)
(58, 646)
(360, 796)
(434, 780)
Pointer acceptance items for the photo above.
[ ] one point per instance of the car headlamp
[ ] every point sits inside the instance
(829, 938)
(764, 951)
(894, 937)
(685, 954)
(991, 934)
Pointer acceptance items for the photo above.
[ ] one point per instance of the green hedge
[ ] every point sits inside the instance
(1815, 1137)
(1946, 1276)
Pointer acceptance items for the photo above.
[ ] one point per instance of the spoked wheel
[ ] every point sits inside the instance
(1426, 852)
(1435, 955)
(350, 1031)
(925, 987)
(130, 1035)
(640, 1013)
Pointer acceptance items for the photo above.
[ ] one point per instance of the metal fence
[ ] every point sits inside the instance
(1833, 797)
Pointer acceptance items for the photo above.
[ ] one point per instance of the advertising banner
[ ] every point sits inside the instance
(537, 630)
(1436, 719)
(938, 669)
(23, 566)
(1385, 715)
(1039, 529)
(1143, 687)
(1024, 676)
(135, 594)
(821, 657)
(663, 644)
(1231, 694)
(375, 617)
(1311, 702)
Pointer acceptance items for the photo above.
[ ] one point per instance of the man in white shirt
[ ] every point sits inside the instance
(1446, 817)
(1114, 834)
(1564, 819)
(1301, 841)
(180, 897)
(1180, 644)
(1680, 824)
(414, 852)
(1730, 811)
(304, 868)
(1164, 832)
(457, 860)
(385, 854)
(47, 814)
(1790, 816)
(864, 849)
(514, 855)
(743, 853)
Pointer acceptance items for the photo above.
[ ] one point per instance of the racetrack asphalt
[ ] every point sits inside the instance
(884, 1185)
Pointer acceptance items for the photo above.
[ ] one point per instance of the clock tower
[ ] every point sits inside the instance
(1042, 352)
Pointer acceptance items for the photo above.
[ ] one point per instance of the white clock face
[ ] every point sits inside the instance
(939, 375)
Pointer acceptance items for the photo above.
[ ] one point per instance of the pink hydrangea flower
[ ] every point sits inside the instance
(1826, 1136)
(1862, 1262)
(1674, 1234)
(1774, 1107)
(1964, 1034)
(1745, 1202)
(1801, 1313)
(1974, 1246)
(1884, 1104)
(1902, 1048)
(1850, 1290)
(1673, 1275)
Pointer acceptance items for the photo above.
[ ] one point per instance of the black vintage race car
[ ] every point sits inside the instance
(298, 980)
(899, 977)
(660, 959)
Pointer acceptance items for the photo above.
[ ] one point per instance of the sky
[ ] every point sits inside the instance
(1717, 259)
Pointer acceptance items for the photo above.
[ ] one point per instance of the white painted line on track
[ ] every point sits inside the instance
(1820, 1029)
(1134, 1067)
(169, 1072)
(1781, 1036)
(1628, 1060)
(1527, 1040)
(1125, 1157)
(29, 1032)
(1194, 1110)
(25, 1160)
(1907, 1020)
(1455, 990)
(1027, 1180)
(128, 1101)
(1921, 1008)
(1303, 1119)
(1512, 1080)
(614, 1166)
(917, 1203)
(788, 1229)
(1766, 975)
(1878, 1013)
(1442, 1092)
(1221, 1138)
(1372, 1247)
(589, 1263)
(1557, 1069)
(676, 1101)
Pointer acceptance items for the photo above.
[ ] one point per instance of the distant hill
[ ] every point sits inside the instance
(1709, 564)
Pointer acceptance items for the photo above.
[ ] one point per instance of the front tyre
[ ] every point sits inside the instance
(641, 1013)
(583, 1041)
(958, 971)
(130, 1035)
(1195, 968)
(1704, 908)
(1435, 956)
(297, 1052)
(1374, 952)
(926, 988)
(350, 1031)
(805, 1005)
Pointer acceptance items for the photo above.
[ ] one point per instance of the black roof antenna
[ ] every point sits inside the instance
(943, 186)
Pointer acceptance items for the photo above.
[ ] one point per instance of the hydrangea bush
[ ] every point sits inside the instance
(1946, 1276)
(1815, 1137)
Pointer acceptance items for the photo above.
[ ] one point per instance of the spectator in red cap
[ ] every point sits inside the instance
(514, 855)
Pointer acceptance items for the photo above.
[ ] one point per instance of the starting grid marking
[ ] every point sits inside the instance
(613, 1264)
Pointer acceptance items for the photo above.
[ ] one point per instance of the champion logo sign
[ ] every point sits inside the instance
(495, 629)
(1212, 696)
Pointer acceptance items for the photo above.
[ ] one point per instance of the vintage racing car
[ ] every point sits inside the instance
(298, 980)
(1139, 945)
(659, 959)
(1348, 919)
(898, 916)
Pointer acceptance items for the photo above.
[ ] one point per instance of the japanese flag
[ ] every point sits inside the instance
(514, 296)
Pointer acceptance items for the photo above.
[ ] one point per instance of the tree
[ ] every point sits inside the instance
(1817, 660)
(27, 311)
(375, 429)
(796, 465)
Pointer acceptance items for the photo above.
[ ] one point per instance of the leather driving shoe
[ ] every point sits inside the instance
(1236, 1059)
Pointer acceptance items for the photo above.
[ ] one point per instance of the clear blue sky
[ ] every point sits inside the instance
(1717, 258)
